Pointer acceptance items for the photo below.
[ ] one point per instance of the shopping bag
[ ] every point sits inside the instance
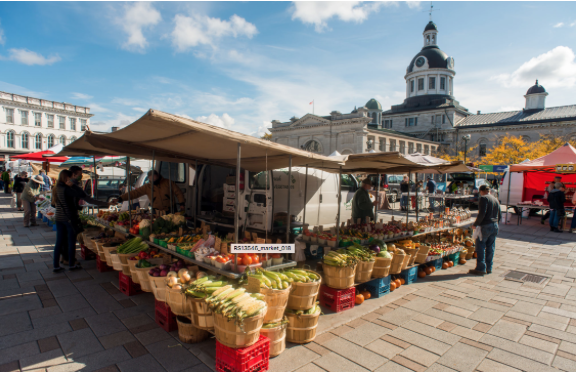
(477, 233)
(300, 251)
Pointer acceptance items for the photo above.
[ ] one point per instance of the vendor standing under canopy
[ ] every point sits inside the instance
(161, 199)
(362, 204)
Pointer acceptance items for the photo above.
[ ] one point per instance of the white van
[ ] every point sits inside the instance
(516, 191)
(258, 210)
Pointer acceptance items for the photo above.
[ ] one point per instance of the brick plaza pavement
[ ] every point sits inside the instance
(449, 321)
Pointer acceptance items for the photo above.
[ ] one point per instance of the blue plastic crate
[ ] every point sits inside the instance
(44, 219)
(54, 227)
(319, 255)
(378, 287)
(438, 263)
(39, 215)
(50, 223)
(410, 274)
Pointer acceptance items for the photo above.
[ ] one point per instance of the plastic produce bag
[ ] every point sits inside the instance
(300, 251)
(477, 233)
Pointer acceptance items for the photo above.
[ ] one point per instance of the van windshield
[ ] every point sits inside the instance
(259, 181)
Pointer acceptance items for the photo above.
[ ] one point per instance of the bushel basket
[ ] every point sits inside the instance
(200, 316)
(303, 295)
(382, 267)
(339, 277)
(277, 336)
(188, 333)
(230, 334)
(363, 271)
(276, 303)
(302, 328)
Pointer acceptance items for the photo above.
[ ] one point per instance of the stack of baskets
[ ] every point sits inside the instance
(302, 328)
(364, 271)
(399, 261)
(274, 327)
(382, 267)
(422, 254)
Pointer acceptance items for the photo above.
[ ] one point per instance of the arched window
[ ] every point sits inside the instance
(51, 140)
(63, 140)
(374, 118)
(25, 138)
(313, 146)
(527, 139)
(72, 139)
(38, 141)
(10, 139)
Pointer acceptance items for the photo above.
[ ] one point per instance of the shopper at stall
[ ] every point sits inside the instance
(573, 219)
(362, 205)
(404, 193)
(6, 176)
(81, 194)
(47, 183)
(162, 190)
(29, 196)
(550, 187)
(556, 201)
(431, 189)
(488, 222)
(67, 221)
(20, 182)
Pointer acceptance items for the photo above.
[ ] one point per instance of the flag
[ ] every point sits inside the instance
(312, 102)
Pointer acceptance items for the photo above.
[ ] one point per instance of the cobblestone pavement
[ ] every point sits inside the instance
(448, 321)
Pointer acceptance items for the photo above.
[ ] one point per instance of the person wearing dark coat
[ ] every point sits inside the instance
(556, 199)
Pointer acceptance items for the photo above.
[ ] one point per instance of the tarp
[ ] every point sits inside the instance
(534, 184)
(39, 156)
(177, 139)
(563, 155)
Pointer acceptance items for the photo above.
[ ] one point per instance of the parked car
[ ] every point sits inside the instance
(108, 188)
(472, 181)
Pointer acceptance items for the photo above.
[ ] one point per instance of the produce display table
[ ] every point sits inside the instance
(523, 207)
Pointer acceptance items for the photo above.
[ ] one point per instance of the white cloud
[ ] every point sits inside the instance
(2, 37)
(555, 68)
(560, 24)
(263, 129)
(30, 58)
(203, 30)
(117, 120)
(572, 24)
(139, 109)
(224, 121)
(318, 13)
(414, 4)
(94, 107)
(138, 16)
(76, 95)
(125, 101)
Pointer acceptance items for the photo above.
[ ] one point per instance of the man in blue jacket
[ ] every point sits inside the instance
(488, 221)
(431, 189)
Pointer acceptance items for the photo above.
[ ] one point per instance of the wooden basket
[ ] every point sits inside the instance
(421, 258)
(382, 267)
(303, 295)
(124, 262)
(158, 287)
(364, 271)
(424, 249)
(339, 277)
(470, 252)
(412, 253)
(107, 249)
(116, 264)
(188, 333)
(463, 255)
(302, 329)
(132, 267)
(178, 302)
(397, 263)
(229, 333)
(405, 262)
(276, 301)
(200, 315)
(277, 338)
(144, 278)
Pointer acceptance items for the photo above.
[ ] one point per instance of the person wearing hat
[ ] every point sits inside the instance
(488, 222)
(362, 204)
(162, 191)
(28, 198)
(20, 182)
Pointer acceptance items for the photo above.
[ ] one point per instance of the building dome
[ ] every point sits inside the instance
(536, 88)
(430, 26)
(373, 104)
(435, 57)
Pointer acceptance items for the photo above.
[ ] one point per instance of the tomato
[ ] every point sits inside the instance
(255, 259)
(247, 260)
(239, 261)
(275, 255)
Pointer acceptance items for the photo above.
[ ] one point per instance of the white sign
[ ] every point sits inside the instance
(262, 248)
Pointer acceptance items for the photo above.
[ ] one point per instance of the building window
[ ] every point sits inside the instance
(62, 122)
(411, 122)
(37, 119)
(382, 144)
(412, 86)
(443, 121)
(72, 123)
(63, 140)
(25, 138)
(482, 149)
(51, 141)
(433, 150)
(421, 84)
(72, 139)
(442, 87)
(10, 139)
(10, 116)
(387, 124)
(392, 145)
(313, 146)
(83, 124)
(374, 118)
(24, 117)
(411, 148)
(50, 121)
(438, 119)
(432, 83)
(419, 148)
(402, 147)
(426, 149)
(38, 141)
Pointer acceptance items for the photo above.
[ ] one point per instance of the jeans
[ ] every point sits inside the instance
(404, 201)
(7, 188)
(19, 200)
(432, 202)
(29, 213)
(573, 220)
(554, 219)
(485, 248)
(64, 234)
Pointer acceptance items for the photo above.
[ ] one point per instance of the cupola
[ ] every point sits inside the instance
(535, 97)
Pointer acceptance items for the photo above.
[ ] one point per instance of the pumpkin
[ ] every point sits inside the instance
(393, 286)
(445, 265)
(421, 274)
(366, 294)
(451, 264)
(475, 255)
(433, 268)
(402, 281)
(429, 270)
(398, 283)
(359, 299)
(462, 261)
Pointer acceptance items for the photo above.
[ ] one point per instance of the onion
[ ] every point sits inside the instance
(172, 274)
(172, 281)
(181, 272)
(185, 277)
(375, 248)
(200, 274)
(163, 272)
(163, 267)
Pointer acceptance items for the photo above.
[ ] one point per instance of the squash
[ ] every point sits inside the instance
(402, 281)
(445, 265)
(429, 270)
(462, 261)
(366, 294)
(451, 264)
(475, 255)
(393, 285)
(421, 274)
(359, 299)
(398, 283)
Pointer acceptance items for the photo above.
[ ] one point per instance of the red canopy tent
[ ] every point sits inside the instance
(538, 173)
(39, 156)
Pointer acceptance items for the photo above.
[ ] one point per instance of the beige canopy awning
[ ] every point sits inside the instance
(177, 139)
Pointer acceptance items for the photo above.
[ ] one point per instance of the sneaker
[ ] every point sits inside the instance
(57, 269)
(489, 271)
(477, 272)
(75, 267)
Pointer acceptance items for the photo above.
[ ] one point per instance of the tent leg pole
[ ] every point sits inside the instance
(417, 201)
(408, 206)
(288, 207)
(237, 204)
(508, 194)
(151, 180)
(377, 196)
(128, 188)
(305, 201)
(195, 190)
(170, 185)
(340, 196)
(95, 188)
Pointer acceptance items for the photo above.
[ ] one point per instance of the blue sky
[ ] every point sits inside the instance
(240, 65)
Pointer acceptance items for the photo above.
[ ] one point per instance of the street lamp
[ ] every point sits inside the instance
(466, 137)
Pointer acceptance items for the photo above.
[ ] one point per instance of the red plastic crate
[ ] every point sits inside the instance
(86, 253)
(164, 316)
(247, 359)
(337, 299)
(101, 265)
(127, 286)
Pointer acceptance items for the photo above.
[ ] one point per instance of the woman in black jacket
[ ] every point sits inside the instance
(20, 182)
(67, 220)
(556, 199)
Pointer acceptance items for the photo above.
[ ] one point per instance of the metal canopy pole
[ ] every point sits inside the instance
(340, 196)
(377, 195)
(95, 188)
(408, 197)
(236, 204)
(170, 185)
(288, 207)
(508, 194)
(151, 180)
(195, 190)
(416, 199)
(305, 201)
(128, 188)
